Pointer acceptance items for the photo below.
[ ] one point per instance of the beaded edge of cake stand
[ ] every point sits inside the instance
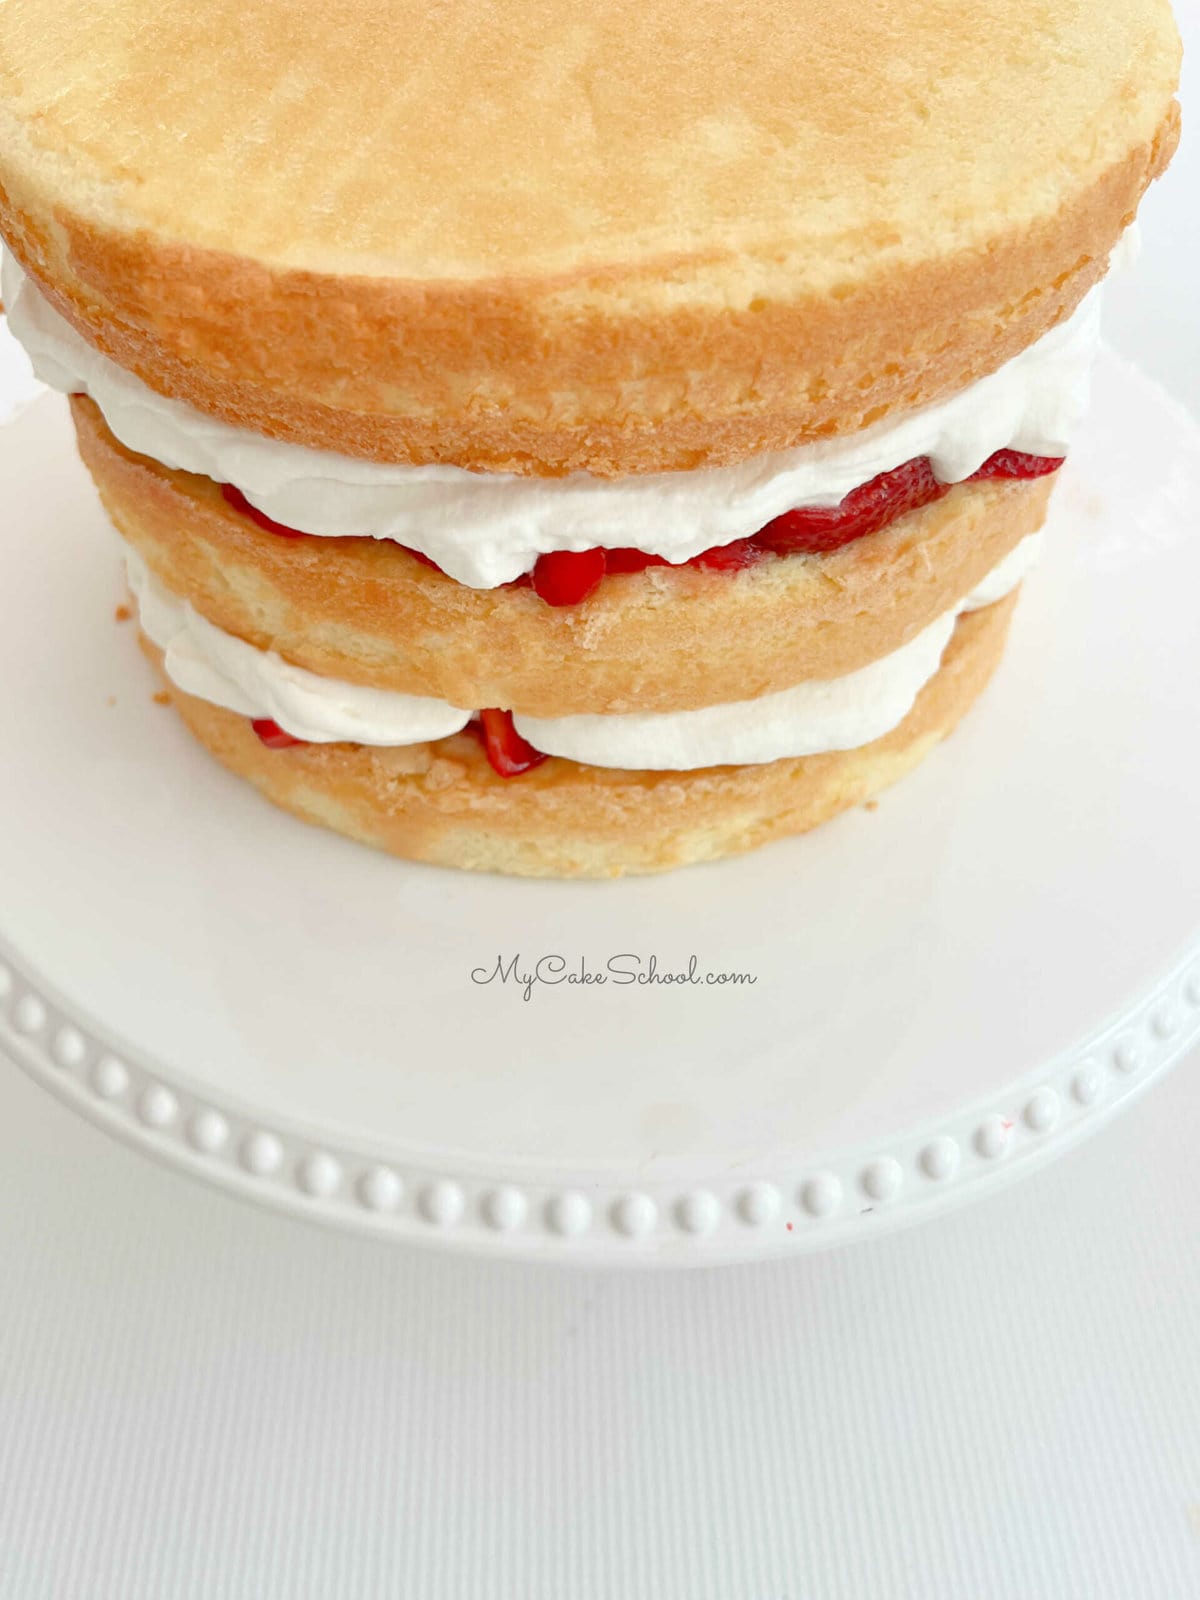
(852, 1195)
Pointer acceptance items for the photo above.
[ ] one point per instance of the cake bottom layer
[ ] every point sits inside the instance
(442, 803)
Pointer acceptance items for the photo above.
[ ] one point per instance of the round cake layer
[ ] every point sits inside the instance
(664, 640)
(443, 804)
(622, 238)
(291, 703)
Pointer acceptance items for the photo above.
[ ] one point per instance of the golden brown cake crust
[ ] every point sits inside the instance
(365, 611)
(619, 237)
(442, 803)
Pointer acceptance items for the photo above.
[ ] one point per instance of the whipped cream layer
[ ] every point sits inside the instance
(485, 529)
(820, 715)
(213, 665)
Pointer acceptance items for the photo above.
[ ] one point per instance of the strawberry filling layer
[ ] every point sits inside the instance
(568, 577)
(508, 754)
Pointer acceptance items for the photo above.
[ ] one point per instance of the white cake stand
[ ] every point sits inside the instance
(949, 990)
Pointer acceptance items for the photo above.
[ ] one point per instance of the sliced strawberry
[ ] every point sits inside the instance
(814, 530)
(729, 557)
(1016, 464)
(566, 577)
(238, 501)
(273, 736)
(627, 560)
(508, 754)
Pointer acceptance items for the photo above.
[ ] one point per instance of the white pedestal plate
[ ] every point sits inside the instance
(948, 990)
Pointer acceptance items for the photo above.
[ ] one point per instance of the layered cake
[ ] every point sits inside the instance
(573, 441)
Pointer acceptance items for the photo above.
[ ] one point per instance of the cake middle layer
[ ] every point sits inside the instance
(665, 640)
(813, 717)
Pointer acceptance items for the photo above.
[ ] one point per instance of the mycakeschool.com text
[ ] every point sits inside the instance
(624, 971)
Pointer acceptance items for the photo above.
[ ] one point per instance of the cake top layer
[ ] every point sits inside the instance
(446, 140)
(542, 237)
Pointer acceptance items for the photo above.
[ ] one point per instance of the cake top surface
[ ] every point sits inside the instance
(439, 139)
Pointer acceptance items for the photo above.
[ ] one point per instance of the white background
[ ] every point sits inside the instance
(200, 1400)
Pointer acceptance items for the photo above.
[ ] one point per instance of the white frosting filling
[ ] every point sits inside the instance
(485, 529)
(226, 671)
(829, 714)
(819, 715)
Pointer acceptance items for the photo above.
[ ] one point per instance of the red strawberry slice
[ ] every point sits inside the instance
(814, 530)
(238, 501)
(625, 559)
(1016, 464)
(273, 736)
(508, 754)
(729, 557)
(566, 577)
